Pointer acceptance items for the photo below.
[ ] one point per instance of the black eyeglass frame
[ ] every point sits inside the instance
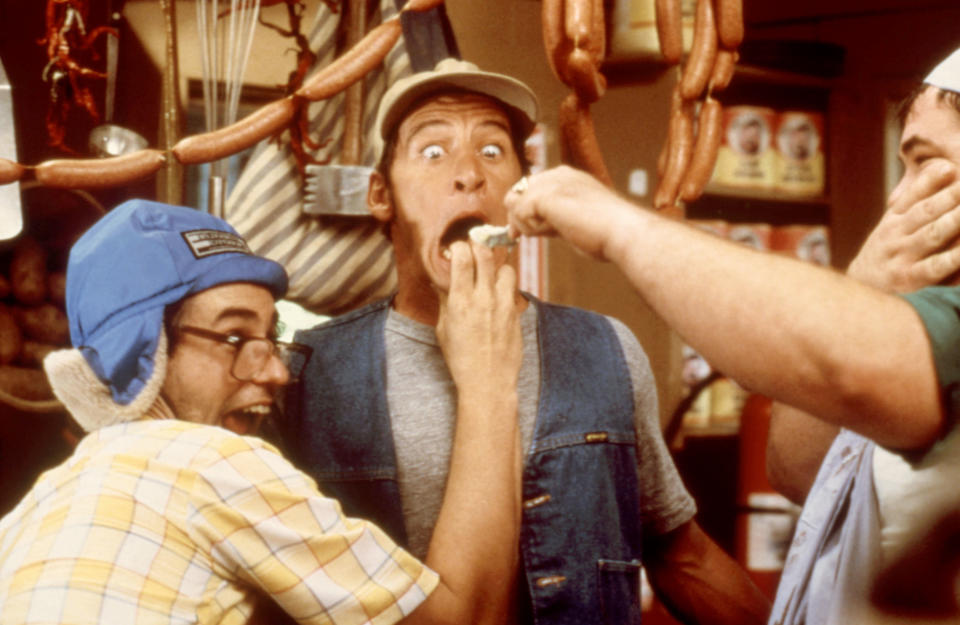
(284, 350)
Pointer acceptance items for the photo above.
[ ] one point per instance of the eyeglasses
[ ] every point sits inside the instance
(253, 353)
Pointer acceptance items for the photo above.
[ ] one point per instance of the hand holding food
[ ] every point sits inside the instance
(479, 325)
(572, 204)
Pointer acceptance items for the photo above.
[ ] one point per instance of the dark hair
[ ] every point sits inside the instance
(171, 315)
(517, 135)
(952, 98)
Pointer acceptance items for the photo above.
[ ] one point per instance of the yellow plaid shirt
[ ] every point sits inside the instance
(165, 521)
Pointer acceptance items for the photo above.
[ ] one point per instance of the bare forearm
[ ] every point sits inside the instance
(797, 333)
(700, 583)
(800, 334)
(474, 544)
(796, 445)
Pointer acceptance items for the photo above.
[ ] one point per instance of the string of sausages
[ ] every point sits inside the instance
(265, 122)
(693, 138)
(574, 34)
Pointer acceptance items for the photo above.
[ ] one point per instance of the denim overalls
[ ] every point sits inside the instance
(580, 538)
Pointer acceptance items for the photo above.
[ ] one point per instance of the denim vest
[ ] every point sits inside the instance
(836, 546)
(580, 536)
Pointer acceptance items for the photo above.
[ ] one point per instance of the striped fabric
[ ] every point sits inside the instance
(335, 264)
(165, 521)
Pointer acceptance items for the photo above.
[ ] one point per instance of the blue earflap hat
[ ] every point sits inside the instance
(121, 275)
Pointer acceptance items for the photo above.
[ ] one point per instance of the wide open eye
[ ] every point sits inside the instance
(492, 150)
(432, 152)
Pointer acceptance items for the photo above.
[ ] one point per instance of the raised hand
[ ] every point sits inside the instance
(915, 244)
(479, 327)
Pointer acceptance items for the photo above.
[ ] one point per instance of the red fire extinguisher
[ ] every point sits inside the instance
(765, 519)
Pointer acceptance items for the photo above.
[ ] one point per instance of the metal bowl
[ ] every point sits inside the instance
(113, 140)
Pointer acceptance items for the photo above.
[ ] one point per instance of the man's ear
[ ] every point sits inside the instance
(379, 200)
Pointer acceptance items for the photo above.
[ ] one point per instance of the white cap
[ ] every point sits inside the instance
(946, 75)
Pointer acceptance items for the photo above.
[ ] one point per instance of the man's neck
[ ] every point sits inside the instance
(421, 307)
(426, 309)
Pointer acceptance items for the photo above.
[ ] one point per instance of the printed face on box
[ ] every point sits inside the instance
(798, 139)
(749, 135)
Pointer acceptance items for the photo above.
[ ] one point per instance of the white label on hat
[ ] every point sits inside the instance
(205, 243)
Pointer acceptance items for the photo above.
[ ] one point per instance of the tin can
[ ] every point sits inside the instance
(746, 158)
(800, 168)
(755, 235)
(809, 243)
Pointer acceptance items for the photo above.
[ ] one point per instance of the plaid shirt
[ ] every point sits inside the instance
(165, 521)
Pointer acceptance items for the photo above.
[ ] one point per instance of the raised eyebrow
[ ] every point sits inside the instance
(243, 315)
(236, 311)
(496, 123)
(427, 124)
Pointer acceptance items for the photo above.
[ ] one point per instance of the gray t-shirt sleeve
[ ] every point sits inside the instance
(665, 503)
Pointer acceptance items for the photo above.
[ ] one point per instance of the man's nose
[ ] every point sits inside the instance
(469, 174)
(275, 372)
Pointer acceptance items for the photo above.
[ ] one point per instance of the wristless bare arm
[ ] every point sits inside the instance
(800, 334)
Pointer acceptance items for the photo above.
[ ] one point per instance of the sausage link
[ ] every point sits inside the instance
(584, 77)
(10, 171)
(554, 37)
(238, 136)
(703, 52)
(100, 173)
(670, 30)
(578, 140)
(680, 138)
(598, 34)
(730, 23)
(353, 64)
(709, 130)
(578, 22)
(662, 157)
(672, 131)
(723, 68)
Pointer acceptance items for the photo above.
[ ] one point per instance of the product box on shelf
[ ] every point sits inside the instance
(809, 243)
(756, 235)
(800, 168)
(746, 158)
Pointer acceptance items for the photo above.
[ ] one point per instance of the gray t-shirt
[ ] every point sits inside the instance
(422, 400)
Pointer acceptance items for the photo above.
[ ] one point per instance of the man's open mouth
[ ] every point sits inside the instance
(246, 420)
(458, 230)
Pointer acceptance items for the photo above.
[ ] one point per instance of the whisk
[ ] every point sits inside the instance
(226, 32)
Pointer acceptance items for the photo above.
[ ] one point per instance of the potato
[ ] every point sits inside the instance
(25, 383)
(45, 323)
(28, 272)
(11, 339)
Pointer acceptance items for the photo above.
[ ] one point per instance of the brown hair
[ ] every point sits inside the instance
(952, 98)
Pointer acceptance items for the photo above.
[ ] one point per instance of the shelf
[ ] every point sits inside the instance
(767, 76)
(757, 206)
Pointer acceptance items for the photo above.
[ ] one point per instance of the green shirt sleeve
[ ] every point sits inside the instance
(939, 308)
